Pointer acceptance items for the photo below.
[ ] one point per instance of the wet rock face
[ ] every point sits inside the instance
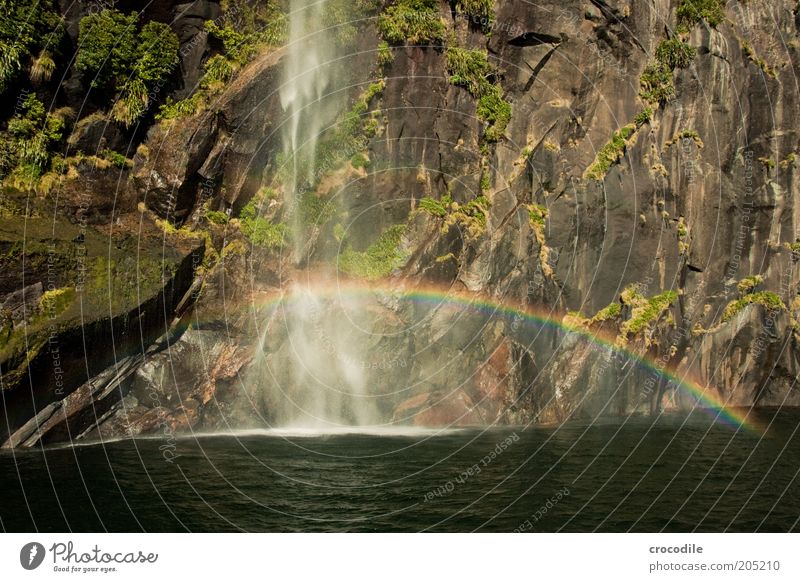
(702, 195)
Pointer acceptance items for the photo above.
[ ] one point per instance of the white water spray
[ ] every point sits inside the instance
(316, 379)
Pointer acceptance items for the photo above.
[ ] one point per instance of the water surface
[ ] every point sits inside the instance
(675, 474)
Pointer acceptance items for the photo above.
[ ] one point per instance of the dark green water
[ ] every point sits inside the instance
(677, 474)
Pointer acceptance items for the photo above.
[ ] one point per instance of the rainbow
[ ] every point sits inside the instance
(706, 398)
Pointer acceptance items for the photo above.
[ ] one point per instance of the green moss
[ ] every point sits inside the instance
(537, 215)
(477, 9)
(610, 153)
(315, 210)
(646, 312)
(611, 311)
(444, 258)
(674, 53)
(260, 231)
(468, 68)
(217, 217)
(496, 111)
(55, 301)
(122, 282)
(470, 217)
(766, 298)
(359, 160)
(412, 21)
(385, 55)
(644, 116)
(29, 29)
(379, 260)
(748, 284)
(471, 69)
(350, 134)
(768, 163)
(233, 249)
(435, 207)
(116, 159)
(690, 12)
(117, 59)
(656, 83)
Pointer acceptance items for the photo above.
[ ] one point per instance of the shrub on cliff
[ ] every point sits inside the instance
(412, 21)
(765, 298)
(260, 231)
(116, 58)
(690, 12)
(379, 260)
(657, 85)
(30, 31)
(30, 139)
(476, 9)
(610, 153)
(471, 69)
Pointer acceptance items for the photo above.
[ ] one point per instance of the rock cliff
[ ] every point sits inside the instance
(599, 198)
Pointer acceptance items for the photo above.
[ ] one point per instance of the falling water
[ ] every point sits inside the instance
(315, 380)
(311, 100)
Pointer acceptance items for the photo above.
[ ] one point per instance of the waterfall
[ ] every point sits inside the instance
(315, 378)
(311, 101)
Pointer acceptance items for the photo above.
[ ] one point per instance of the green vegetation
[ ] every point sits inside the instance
(315, 209)
(120, 283)
(435, 207)
(359, 161)
(385, 55)
(645, 312)
(674, 54)
(471, 217)
(30, 32)
(343, 141)
(379, 260)
(471, 69)
(690, 12)
(244, 29)
(412, 21)
(611, 311)
(55, 301)
(477, 9)
(766, 298)
(750, 53)
(27, 144)
(260, 231)
(610, 153)
(748, 284)
(115, 58)
(342, 16)
(657, 85)
(116, 159)
(644, 116)
(217, 217)
(537, 215)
